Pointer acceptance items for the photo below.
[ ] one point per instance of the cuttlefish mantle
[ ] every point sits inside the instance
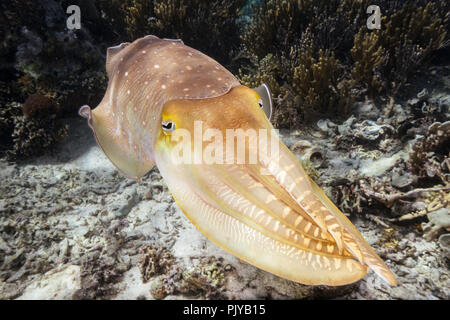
(143, 76)
(279, 220)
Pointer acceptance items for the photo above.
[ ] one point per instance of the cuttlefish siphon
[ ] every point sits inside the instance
(161, 96)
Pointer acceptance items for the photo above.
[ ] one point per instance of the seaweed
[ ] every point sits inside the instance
(318, 81)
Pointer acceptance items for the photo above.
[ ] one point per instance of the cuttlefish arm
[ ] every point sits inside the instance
(268, 213)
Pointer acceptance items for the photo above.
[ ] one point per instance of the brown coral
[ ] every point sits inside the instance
(429, 155)
(368, 56)
(322, 56)
(39, 106)
(154, 262)
(408, 37)
(210, 26)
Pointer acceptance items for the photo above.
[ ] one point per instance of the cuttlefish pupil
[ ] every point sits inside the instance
(168, 126)
(268, 213)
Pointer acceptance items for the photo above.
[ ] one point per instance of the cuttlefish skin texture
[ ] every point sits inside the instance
(268, 213)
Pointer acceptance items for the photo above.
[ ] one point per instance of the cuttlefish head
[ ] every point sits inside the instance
(238, 109)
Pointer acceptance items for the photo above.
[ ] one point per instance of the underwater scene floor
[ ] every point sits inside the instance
(72, 227)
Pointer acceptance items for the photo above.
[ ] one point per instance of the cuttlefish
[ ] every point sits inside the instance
(267, 212)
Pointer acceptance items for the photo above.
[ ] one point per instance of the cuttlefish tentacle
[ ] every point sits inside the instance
(268, 212)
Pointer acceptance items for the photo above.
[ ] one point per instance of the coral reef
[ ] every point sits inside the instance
(47, 69)
(322, 56)
(317, 56)
(209, 26)
(33, 136)
(385, 58)
(155, 261)
(429, 156)
(379, 150)
(39, 55)
(33, 133)
(205, 277)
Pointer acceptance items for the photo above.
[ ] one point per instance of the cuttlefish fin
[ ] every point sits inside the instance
(111, 57)
(126, 159)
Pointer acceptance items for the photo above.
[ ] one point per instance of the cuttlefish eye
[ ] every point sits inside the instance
(260, 102)
(168, 126)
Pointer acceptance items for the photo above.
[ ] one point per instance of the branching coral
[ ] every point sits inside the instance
(30, 128)
(298, 39)
(154, 262)
(368, 57)
(33, 136)
(429, 155)
(326, 53)
(279, 25)
(210, 26)
(317, 80)
(408, 37)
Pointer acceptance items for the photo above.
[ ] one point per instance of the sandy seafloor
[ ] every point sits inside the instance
(73, 227)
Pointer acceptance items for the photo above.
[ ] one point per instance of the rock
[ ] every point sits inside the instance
(414, 102)
(157, 289)
(4, 246)
(57, 284)
(444, 241)
(402, 180)
(367, 111)
(410, 262)
(326, 126)
(9, 260)
(346, 126)
(439, 221)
